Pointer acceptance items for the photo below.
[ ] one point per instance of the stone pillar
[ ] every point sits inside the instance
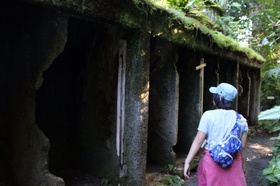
(163, 109)
(136, 108)
(255, 97)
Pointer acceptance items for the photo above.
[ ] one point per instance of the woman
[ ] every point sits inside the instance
(214, 125)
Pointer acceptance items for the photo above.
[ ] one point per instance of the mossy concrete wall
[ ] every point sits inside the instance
(59, 77)
(76, 104)
(32, 37)
(162, 21)
(60, 80)
(98, 102)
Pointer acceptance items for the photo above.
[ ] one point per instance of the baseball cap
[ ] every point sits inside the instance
(225, 90)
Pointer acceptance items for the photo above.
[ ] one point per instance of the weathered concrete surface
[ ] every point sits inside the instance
(164, 103)
(142, 15)
(190, 104)
(137, 107)
(75, 77)
(76, 105)
(32, 38)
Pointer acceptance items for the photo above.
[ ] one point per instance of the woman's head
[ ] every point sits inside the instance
(223, 95)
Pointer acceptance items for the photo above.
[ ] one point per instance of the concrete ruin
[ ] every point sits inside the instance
(100, 89)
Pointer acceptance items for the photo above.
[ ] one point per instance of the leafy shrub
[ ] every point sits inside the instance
(270, 119)
(172, 177)
(172, 180)
(272, 172)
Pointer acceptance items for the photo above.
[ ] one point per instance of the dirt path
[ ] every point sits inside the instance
(259, 154)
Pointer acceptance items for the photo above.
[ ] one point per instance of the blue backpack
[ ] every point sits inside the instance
(224, 152)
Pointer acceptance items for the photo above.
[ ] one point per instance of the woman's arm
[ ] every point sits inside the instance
(197, 142)
(244, 151)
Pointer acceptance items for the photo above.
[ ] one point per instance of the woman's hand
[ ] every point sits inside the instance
(196, 144)
(187, 171)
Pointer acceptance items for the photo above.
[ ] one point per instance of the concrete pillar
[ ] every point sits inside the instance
(136, 107)
(163, 109)
(255, 97)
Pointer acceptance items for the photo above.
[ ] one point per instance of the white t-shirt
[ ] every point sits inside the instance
(216, 124)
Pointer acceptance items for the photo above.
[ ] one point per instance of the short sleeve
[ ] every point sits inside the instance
(244, 125)
(203, 124)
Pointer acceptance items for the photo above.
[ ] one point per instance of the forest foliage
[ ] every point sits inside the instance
(256, 24)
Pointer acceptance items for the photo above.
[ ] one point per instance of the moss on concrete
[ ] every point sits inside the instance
(189, 23)
(160, 20)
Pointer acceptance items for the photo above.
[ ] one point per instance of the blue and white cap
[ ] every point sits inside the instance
(225, 90)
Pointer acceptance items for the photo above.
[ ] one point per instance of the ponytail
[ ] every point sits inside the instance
(222, 103)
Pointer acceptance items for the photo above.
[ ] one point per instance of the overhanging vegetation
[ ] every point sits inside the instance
(161, 20)
(191, 24)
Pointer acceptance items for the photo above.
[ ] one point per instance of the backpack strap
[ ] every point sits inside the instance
(238, 116)
(236, 130)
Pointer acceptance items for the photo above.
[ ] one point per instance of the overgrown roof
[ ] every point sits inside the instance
(162, 21)
(191, 24)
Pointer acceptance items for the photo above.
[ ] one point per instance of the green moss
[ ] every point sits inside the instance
(127, 20)
(163, 20)
(189, 23)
